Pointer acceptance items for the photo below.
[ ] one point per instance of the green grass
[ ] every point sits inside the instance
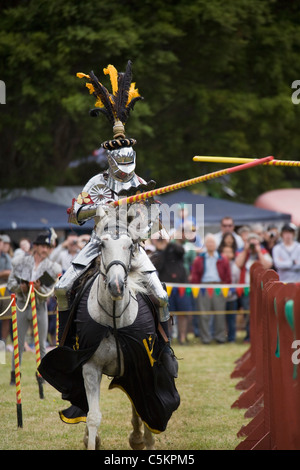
(204, 420)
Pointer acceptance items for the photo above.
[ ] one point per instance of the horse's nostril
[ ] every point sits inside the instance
(116, 286)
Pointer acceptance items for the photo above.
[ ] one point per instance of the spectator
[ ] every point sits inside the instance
(232, 298)
(26, 268)
(210, 267)
(227, 226)
(253, 251)
(259, 230)
(7, 248)
(5, 270)
(184, 219)
(243, 232)
(65, 252)
(83, 240)
(24, 246)
(169, 263)
(271, 237)
(228, 240)
(186, 237)
(286, 255)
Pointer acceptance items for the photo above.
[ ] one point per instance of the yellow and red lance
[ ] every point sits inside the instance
(190, 182)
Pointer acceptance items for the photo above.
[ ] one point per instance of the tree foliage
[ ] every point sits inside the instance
(215, 76)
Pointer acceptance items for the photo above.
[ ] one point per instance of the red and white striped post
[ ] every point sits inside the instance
(17, 360)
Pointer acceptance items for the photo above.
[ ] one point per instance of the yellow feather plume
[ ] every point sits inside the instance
(133, 93)
(113, 75)
(90, 87)
(81, 75)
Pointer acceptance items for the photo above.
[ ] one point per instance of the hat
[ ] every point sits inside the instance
(5, 238)
(289, 228)
(42, 239)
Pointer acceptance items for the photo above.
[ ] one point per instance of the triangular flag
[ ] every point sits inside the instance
(239, 291)
(195, 291)
(246, 290)
(2, 291)
(210, 291)
(169, 290)
(202, 290)
(188, 291)
(217, 291)
(225, 291)
(181, 291)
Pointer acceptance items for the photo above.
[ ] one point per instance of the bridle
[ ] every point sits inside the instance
(113, 315)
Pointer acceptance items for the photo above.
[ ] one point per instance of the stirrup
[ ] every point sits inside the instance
(168, 359)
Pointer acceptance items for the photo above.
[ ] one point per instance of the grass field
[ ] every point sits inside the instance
(204, 420)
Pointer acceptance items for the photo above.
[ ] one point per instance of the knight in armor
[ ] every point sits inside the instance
(118, 181)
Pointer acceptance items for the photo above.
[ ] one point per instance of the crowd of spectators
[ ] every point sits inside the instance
(223, 258)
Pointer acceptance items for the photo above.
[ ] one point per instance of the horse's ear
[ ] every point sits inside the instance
(99, 219)
(131, 213)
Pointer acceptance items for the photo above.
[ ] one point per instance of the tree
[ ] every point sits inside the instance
(216, 77)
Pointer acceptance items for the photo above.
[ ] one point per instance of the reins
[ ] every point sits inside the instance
(113, 315)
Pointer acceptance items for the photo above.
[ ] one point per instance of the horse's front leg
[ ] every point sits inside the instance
(149, 439)
(136, 438)
(92, 378)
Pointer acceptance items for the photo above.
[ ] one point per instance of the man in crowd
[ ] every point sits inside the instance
(253, 251)
(28, 268)
(227, 226)
(211, 268)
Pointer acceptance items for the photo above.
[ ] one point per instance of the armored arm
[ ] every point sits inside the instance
(93, 194)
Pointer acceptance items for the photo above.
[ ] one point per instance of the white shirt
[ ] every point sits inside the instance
(287, 261)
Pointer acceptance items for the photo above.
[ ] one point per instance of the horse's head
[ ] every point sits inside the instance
(117, 249)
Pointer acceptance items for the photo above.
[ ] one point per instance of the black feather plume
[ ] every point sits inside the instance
(102, 93)
(124, 82)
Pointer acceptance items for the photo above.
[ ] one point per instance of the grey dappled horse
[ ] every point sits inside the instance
(112, 302)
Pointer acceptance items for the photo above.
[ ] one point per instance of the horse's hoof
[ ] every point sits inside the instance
(136, 444)
(98, 442)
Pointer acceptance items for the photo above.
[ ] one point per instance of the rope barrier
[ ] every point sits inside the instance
(210, 312)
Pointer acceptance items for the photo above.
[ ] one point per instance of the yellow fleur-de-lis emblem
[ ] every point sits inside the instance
(148, 350)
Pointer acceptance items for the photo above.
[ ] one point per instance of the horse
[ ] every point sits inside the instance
(113, 329)
(112, 302)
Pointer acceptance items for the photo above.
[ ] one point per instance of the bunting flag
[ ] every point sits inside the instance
(195, 291)
(2, 290)
(201, 289)
(225, 291)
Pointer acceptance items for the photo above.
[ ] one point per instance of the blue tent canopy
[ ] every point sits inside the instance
(30, 213)
(25, 213)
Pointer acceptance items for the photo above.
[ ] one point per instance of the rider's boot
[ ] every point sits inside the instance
(167, 355)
